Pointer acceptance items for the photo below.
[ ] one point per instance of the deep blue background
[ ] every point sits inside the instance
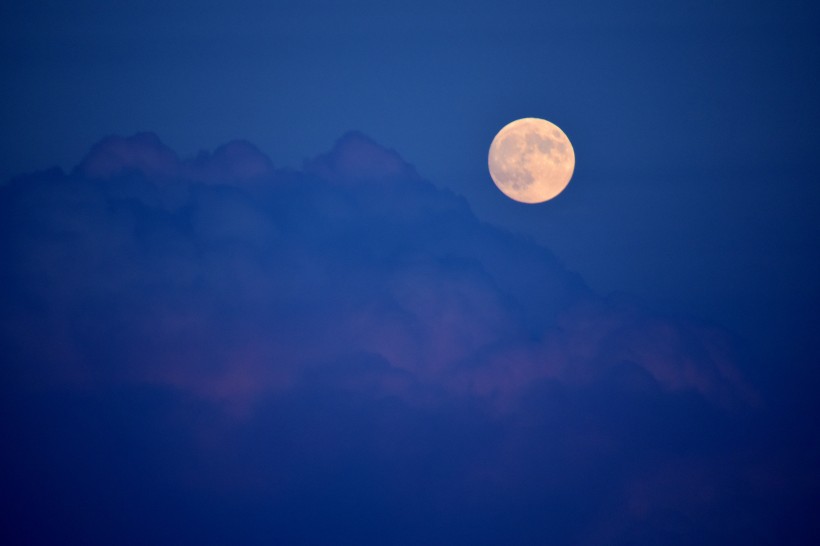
(695, 197)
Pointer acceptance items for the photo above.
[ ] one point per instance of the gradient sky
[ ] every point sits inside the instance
(270, 294)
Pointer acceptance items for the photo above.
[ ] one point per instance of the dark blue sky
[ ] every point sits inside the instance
(695, 123)
(333, 341)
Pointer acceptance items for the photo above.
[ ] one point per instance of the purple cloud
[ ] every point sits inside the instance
(145, 154)
(349, 338)
(232, 291)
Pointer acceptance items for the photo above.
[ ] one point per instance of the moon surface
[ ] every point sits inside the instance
(531, 160)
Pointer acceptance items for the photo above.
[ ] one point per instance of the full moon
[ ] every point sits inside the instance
(531, 160)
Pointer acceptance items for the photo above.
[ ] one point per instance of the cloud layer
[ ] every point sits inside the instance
(233, 279)
(348, 349)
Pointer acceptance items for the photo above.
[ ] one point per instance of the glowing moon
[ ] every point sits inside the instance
(531, 160)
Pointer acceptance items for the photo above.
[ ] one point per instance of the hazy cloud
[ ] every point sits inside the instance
(346, 344)
(231, 289)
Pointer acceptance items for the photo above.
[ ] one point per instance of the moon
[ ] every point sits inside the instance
(531, 160)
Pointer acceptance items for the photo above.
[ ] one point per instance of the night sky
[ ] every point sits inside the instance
(257, 286)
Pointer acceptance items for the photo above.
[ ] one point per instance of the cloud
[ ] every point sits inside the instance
(355, 157)
(232, 289)
(347, 343)
(145, 154)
